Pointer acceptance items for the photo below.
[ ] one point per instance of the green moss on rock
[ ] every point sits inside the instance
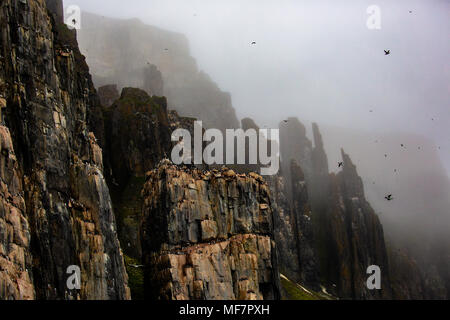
(135, 278)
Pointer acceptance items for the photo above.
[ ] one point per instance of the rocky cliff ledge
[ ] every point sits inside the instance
(208, 235)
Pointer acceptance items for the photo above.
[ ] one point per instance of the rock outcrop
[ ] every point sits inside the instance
(208, 235)
(354, 238)
(138, 130)
(56, 197)
(342, 235)
(138, 137)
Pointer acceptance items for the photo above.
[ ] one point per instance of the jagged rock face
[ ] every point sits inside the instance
(208, 235)
(294, 145)
(303, 226)
(354, 238)
(319, 186)
(108, 95)
(294, 234)
(125, 52)
(343, 228)
(284, 232)
(50, 107)
(15, 236)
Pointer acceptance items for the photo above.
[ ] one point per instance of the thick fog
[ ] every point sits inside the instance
(318, 61)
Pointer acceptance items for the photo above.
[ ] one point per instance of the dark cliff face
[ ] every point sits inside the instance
(51, 107)
(202, 234)
(303, 227)
(364, 233)
(208, 235)
(341, 233)
(138, 137)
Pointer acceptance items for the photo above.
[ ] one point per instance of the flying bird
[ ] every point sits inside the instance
(340, 164)
(74, 21)
(386, 52)
(254, 42)
(389, 197)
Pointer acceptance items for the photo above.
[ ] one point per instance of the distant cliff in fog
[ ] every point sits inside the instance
(131, 54)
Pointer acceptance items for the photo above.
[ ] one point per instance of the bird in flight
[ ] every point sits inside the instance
(386, 52)
(74, 21)
(389, 197)
(340, 164)
(254, 42)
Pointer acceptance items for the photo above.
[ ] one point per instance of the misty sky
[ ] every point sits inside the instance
(317, 60)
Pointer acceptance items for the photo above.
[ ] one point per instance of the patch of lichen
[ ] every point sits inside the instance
(135, 278)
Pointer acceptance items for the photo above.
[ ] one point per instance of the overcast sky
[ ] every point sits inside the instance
(317, 59)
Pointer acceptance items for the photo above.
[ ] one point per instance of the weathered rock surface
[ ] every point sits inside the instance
(303, 228)
(208, 235)
(15, 254)
(51, 109)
